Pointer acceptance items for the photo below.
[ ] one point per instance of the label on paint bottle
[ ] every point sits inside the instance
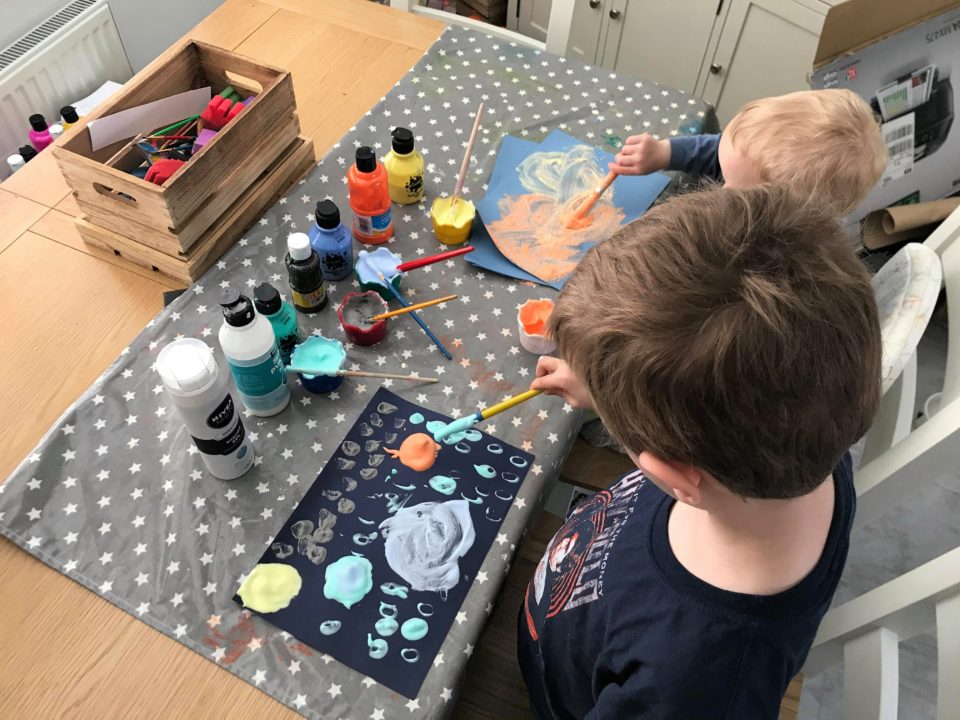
(309, 300)
(260, 381)
(229, 433)
(372, 225)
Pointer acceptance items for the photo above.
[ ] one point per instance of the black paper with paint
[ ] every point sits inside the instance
(377, 495)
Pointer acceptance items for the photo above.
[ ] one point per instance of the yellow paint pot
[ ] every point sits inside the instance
(452, 221)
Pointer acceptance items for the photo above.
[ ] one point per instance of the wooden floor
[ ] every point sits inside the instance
(493, 688)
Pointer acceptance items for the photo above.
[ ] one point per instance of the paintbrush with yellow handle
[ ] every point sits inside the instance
(412, 308)
(587, 205)
(472, 419)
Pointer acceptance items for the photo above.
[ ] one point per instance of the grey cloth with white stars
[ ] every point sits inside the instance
(115, 496)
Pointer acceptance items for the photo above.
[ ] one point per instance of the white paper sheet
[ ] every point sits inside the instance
(144, 118)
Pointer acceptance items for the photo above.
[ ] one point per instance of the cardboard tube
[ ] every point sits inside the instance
(905, 222)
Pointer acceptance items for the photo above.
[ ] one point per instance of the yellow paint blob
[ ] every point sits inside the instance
(418, 452)
(452, 220)
(270, 587)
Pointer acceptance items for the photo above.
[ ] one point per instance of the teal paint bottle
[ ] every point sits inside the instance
(282, 317)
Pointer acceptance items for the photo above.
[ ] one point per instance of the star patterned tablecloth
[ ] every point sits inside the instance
(115, 497)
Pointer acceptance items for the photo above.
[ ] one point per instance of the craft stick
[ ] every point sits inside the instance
(466, 156)
(186, 128)
(587, 205)
(177, 124)
(169, 137)
(411, 308)
(123, 151)
(507, 404)
(429, 260)
(400, 299)
(362, 373)
(175, 148)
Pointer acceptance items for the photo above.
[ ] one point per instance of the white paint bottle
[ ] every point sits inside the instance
(198, 388)
(251, 350)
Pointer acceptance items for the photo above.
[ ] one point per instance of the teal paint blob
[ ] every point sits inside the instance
(329, 627)
(319, 353)
(377, 648)
(416, 418)
(348, 580)
(386, 626)
(395, 590)
(485, 471)
(414, 629)
(443, 484)
(453, 432)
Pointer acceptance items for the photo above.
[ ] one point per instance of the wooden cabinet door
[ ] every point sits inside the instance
(765, 47)
(657, 40)
(533, 16)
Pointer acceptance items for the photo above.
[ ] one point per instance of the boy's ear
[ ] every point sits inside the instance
(683, 480)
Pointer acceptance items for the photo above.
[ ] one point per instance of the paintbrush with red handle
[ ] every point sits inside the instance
(439, 257)
(587, 205)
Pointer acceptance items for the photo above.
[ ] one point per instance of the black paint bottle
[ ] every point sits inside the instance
(306, 278)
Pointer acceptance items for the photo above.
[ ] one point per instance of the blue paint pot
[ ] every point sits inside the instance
(320, 353)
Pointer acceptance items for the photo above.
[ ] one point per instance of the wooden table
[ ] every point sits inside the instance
(68, 311)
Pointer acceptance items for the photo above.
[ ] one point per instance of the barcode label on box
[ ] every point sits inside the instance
(898, 136)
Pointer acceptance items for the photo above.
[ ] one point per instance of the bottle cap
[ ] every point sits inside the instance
(187, 366)
(56, 130)
(15, 162)
(237, 309)
(27, 152)
(328, 214)
(298, 245)
(69, 114)
(402, 141)
(266, 299)
(37, 122)
(366, 159)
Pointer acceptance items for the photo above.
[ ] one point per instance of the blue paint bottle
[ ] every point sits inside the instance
(332, 242)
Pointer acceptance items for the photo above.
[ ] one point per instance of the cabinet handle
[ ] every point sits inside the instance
(715, 69)
(594, 4)
(614, 14)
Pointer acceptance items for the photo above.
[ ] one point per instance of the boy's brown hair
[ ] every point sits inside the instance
(732, 330)
(823, 143)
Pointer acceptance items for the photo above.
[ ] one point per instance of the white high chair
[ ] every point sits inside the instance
(865, 633)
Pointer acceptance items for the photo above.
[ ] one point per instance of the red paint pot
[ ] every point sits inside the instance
(354, 308)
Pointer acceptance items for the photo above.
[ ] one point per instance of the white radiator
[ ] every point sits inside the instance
(63, 59)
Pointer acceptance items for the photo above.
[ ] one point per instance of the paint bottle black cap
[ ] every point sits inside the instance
(328, 214)
(69, 114)
(402, 141)
(366, 159)
(27, 152)
(37, 122)
(237, 308)
(266, 298)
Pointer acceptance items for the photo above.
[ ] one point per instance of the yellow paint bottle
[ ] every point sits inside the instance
(404, 167)
(69, 116)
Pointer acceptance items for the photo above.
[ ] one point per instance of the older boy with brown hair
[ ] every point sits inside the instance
(729, 340)
(823, 144)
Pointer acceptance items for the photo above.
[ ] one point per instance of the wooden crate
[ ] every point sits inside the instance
(175, 217)
(294, 162)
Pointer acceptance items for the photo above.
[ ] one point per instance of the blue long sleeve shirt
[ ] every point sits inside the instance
(696, 155)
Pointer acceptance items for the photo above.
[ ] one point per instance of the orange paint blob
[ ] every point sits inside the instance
(418, 452)
(534, 315)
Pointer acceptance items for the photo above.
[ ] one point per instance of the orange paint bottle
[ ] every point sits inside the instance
(369, 198)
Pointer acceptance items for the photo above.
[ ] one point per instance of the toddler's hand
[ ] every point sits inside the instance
(555, 377)
(642, 155)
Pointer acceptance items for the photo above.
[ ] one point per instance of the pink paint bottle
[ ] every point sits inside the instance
(40, 134)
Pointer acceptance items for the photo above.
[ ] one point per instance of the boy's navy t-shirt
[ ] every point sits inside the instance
(613, 626)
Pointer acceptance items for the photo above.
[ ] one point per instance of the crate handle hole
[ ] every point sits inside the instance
(117, 253)
(115, 194)
(241, 82)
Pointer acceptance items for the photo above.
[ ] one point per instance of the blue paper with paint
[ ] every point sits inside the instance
(370, 597)
(533, 191)
(487, 256)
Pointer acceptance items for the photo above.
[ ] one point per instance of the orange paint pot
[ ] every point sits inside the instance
(532, 320)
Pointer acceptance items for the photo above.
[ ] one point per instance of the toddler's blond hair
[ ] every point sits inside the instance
(824, 144)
